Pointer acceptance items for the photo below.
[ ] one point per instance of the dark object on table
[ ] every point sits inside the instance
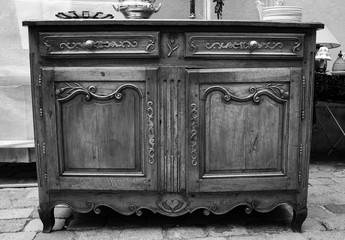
(192, 9)
(320, 66)
(219, 8)
(329, 87)
(84, 15)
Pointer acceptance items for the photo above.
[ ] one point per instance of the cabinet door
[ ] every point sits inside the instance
(244, 129)
(100, 128)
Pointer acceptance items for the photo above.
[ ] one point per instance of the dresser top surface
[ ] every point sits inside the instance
(145, 22)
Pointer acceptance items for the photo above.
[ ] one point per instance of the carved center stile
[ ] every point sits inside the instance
(171, 120)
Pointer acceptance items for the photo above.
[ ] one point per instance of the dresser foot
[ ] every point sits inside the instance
(47, 217)
(298, 218)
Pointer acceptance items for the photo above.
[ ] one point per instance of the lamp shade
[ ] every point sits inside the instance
(325, 38)
(323, 53)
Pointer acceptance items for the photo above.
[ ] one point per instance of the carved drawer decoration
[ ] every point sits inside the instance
(87, 44)
(228, 45)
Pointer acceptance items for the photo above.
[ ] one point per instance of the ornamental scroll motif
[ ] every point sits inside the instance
(98, 44)
(274, 91)
(152, 44)
(194, 134)
(72, 89)
(296, 47)
(151, 133)
(243, 45)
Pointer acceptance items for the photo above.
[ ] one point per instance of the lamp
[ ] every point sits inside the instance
(339, 64)
(322, 56)
(325, 40)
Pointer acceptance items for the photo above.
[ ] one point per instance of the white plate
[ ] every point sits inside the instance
(275, 8)
(336, 73)
(288, 15)
(282, 19)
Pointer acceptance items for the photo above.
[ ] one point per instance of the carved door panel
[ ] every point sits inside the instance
(244, 129)
(100, 128)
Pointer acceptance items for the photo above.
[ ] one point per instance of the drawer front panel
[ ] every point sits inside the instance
(87, 44)
(231, 45)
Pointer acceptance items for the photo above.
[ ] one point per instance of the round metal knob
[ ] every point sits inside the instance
(89, 43)
(253, 45)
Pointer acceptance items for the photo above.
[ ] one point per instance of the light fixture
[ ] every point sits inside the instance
(325, 40)
(339, 64)
(322, 56)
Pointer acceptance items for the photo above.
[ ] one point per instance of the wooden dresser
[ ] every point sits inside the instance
(172, 116)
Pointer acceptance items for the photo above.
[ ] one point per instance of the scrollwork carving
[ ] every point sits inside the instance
(152, 44)
(98, 44)
(274, 91)
(192, 46)
(250, 207)
(296, 47)
(151, 132)
(46, 44)
(72, 89)
(243, 45)
(136, 210)
(194, 134)
(210, 209)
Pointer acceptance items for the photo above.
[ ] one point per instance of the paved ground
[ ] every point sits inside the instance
(326, 219)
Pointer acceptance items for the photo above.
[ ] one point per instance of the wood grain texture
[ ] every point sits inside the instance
(100, 44)
(107, 138)
(236, 45)
(241, 135)
(101, 129)
(172, 134)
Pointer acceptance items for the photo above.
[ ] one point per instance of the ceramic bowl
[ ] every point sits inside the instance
(137, 9)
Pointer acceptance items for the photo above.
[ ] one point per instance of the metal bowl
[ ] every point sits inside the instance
(137, 9)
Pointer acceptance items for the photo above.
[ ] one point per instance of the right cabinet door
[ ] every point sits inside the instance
(244, 129)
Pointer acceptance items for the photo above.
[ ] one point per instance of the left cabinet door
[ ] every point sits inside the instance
(100, 128)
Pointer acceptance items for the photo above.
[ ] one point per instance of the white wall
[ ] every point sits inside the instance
(16, 117)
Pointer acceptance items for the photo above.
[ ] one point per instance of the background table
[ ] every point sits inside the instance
(330, 89)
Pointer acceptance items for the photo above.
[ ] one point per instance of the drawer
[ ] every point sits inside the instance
(233, 45)
(99, 44)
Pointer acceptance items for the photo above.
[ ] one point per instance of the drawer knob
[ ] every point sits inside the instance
(253, 45)
(89, 43)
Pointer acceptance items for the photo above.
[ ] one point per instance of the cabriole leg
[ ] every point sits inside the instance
(298, 218)
(47, 217)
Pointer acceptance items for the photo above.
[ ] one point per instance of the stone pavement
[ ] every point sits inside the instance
(326, 218)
